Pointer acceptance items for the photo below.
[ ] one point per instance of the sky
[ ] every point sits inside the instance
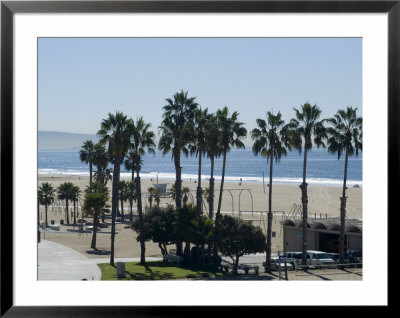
(81, 80)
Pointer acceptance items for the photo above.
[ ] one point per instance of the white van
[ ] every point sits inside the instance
(314, 258)
(321, 258)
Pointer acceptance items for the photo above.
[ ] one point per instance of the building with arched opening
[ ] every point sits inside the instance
(322, 234)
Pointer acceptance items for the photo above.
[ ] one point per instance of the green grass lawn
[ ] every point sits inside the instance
(155, 271)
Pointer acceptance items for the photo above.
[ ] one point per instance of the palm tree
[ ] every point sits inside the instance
(175, 129)
(201, 119)
(213, 150)
(131, 196)
(123, 190)
(231, 131)
(75, 193)
(150, 190)
(203, 232)
(65, 192)
(39, 199)
(142, 139)
(100, 160)
(95, 203)
(129, 163)
(86, 156)
(345, 136)
(114, 132)
(185, 192)
(46, 194)
(304, 130)
(270, 140)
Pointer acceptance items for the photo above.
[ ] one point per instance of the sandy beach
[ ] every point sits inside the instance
(248, 198)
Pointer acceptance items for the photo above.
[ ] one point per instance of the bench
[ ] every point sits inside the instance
(248, 267)
(172, 259)
(245, 267)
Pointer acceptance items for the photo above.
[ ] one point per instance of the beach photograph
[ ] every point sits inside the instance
(200, 159)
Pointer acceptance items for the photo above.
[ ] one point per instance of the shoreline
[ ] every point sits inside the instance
(205, 179)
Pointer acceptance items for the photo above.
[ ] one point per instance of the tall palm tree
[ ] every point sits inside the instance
(231, 133)
(46, 197)
(86, 155)
(114, 132)
(95, 203)
(175, 129)
(75, 193)
(198, 146)
(270, 140)
(142, 140)
(344, 137)
(65, 192)
(305, 130)
(213, 150)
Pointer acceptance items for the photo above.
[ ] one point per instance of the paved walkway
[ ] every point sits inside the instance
(58, 262)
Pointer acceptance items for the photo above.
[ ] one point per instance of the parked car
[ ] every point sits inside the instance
(314, 258)
(353, 257)
(322, 259)
(275, 264)
(334, 256)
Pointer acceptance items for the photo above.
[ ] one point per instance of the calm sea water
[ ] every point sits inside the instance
(322, 168)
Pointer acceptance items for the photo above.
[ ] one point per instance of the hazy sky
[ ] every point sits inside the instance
(81, 80)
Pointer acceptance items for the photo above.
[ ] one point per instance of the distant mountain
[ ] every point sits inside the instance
(51, 140)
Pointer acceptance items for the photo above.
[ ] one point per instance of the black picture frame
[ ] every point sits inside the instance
(8, 8)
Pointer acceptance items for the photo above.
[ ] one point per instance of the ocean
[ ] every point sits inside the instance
(322, 168)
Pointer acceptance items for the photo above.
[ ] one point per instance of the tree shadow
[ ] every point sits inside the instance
(351, 272)
(98, 252)
(315, 275)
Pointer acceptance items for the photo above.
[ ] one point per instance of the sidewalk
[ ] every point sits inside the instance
(58, 262)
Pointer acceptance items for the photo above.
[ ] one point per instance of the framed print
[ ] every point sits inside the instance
(71, 70)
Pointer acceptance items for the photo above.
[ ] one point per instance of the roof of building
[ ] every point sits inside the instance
(333, 224)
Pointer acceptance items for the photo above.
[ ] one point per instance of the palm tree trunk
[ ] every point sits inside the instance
(269, 225)
(211, 191)
(131, 209)
(45, 209)
(95, 225)
(343, 212)
(222, 184)
(304, 201)
(178, 189)
(114, 203)
(218, 215)
(199, 192)
(38, 213)
(178, 181)
(90, 172)
(74, 212)
(122, 206)
(141, 225)
(66, 206)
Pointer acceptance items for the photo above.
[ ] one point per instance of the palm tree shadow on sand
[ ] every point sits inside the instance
(98, 252)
